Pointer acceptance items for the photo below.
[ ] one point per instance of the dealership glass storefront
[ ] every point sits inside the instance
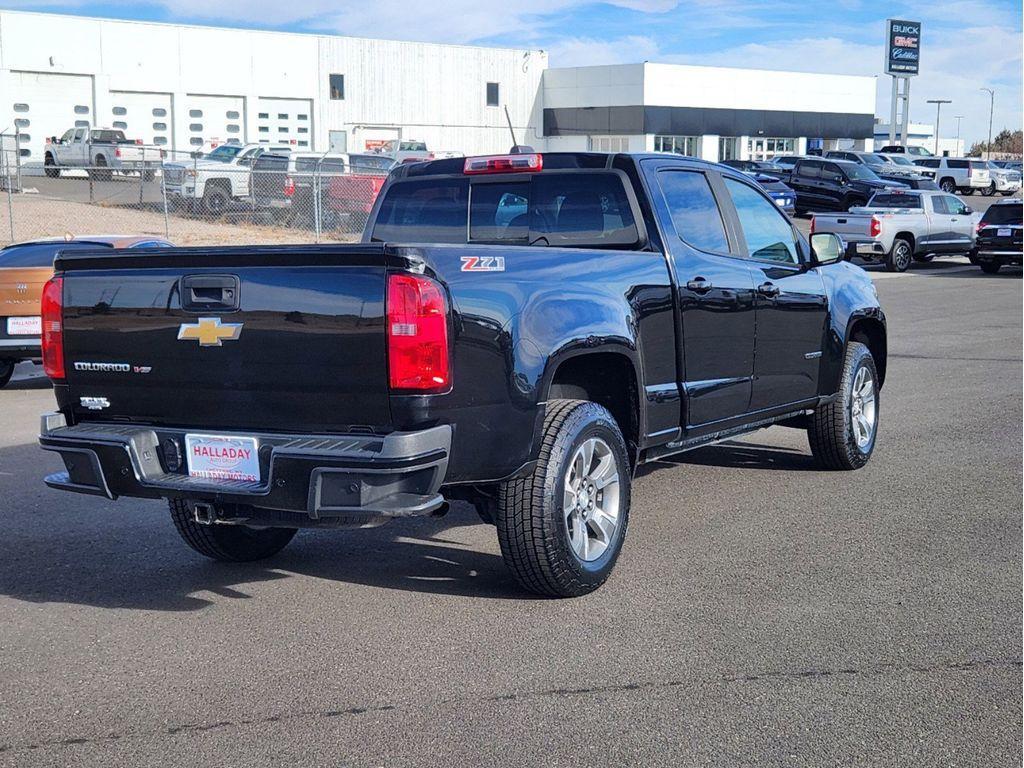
(765, 148)
(680, 145)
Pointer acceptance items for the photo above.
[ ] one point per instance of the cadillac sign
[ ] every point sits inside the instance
(903, 47)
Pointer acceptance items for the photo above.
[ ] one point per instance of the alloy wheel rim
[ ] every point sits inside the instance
(590, 504)
(863, 408)
(903, 256)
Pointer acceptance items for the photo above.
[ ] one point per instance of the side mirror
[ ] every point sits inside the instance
(826, 248)
(968, 209)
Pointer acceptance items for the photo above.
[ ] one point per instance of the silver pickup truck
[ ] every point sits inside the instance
(897, 227)
(100, 152)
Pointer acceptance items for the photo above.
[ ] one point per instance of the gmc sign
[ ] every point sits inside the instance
(903, 47)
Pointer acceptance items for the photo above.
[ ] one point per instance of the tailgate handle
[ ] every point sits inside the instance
(200, 293)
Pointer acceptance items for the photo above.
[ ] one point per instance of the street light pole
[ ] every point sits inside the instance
(938, 109)
(991, 109)
(958, 118)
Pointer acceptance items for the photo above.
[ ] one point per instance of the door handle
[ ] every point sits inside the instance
(200, 293)
(699, 285)
(768, 289)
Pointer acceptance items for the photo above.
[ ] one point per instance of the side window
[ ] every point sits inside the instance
(67, 135)
(810, 169)
(954, 206)
(694, 210)
(939, 204)
(959, 164)
(831, 172)
(768, 233)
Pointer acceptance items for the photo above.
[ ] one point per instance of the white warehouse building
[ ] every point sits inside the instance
(181, 87)
(184, 87)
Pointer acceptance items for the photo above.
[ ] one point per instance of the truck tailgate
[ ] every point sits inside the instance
(247, 338)
(849, 226)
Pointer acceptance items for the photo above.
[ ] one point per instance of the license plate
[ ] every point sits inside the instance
(24, 326)
(217, 457)
(1003, 233)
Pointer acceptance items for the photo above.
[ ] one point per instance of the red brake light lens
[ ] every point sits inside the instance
(876, 226)
(52, 305)
(504, 164)
(417, 333)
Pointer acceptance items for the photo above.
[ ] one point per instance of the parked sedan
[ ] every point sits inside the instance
(24, 269)
(777, 190)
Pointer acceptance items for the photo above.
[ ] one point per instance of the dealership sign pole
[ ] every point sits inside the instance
(902, 61)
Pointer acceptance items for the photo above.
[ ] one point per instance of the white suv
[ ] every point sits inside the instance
(957, 174)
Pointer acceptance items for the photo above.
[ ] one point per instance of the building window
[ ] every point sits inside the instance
(609, 143)
(282, 116)
(121, 124)
(232, 128)
(24, 138)
(159, 140)
(26, 153)
(22, 122)
(196, 141)
(303, 129)
(302, 117)
(303, 143)
(282, 129)
(159, 126)
(263, 129)
(493, 94)
(159, 112)
(81, 109)
(21, 107)
(728, 148)
(195, 113)
(678, 145)
(337, 83)
(119, 111)
(196, 127)
(264, 115)
(761, 148)
(81, 123)
(232, 114)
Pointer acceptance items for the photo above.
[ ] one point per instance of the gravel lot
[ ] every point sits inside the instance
(763, 612)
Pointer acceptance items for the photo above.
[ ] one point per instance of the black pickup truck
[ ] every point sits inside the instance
(518, 331)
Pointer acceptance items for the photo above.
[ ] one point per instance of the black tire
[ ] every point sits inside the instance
(968, 191)
(215, 200)
(228, 543)
(948, 186)
(831, 431)
(50, 166)
(989, 190)
(532, 529)
(102, 174)
(1006, 194)
(989, 267)
(899, 257)
(6, 371)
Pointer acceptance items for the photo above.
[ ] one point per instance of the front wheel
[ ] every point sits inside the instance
(842, 433)
(990, 267)
(948, 186)
(6, 371)
(228, 543)
(900, 256)
(562, 526)
(989, 190)
(50, 167)
(215, 201)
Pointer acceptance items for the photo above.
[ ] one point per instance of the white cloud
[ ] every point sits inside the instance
(584, 51)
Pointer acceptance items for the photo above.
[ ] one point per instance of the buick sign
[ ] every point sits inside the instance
(903, 47)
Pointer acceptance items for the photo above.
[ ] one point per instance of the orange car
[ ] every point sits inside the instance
(24, 269)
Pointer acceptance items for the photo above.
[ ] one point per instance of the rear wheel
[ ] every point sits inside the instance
(50, 166)
(561, 528)
(900, 256)
(6, 371)
(990, 267)
(228, 543)
(102, 173)
(948, 186)
(842, 433)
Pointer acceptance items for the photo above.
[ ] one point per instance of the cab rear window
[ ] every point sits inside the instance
(896, 201)
(581, 209)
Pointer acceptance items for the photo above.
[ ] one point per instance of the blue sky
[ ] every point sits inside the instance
(965, 45)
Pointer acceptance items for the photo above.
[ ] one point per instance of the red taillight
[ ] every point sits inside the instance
(417, 334)
(117, 152)
(53, 331)
(876, 226)
(504, 164)
(979, 226)
(289, 186)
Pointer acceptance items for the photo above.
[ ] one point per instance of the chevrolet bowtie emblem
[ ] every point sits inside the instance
(209, 331)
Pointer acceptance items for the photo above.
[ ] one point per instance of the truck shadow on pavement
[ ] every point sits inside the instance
(64, 548)
(733, 454)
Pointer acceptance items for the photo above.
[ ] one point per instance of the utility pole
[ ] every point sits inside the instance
(958, 118)
(938, 109)
(991, 109)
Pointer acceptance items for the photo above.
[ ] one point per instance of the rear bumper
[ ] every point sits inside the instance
(26, 348)
(316, 476)
(999, 256)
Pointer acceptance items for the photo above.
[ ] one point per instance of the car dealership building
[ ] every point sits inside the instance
(183, 87)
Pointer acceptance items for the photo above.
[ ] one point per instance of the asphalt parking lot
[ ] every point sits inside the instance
(763, 612)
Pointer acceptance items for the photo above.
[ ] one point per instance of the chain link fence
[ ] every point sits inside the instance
(190, 200)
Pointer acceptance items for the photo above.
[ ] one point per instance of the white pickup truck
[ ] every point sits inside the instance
(100, 151)
(897, 227)
(212, 181)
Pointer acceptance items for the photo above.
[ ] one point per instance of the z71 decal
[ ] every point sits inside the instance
(483, 263)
